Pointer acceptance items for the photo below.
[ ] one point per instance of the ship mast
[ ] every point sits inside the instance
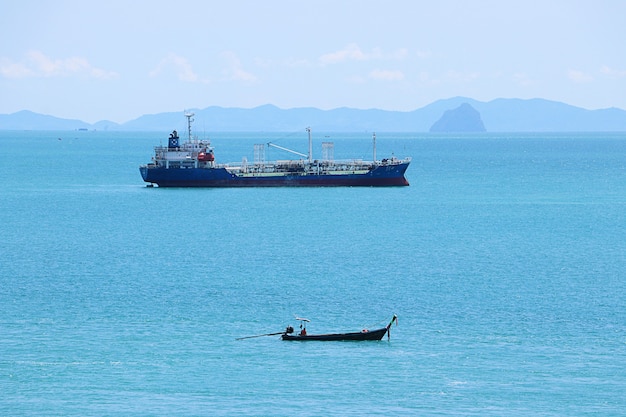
(189, 120)
(374, 145)
(308, 129)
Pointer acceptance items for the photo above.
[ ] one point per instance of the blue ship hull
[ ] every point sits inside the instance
(386, 175)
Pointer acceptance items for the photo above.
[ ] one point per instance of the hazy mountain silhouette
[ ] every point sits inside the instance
(464, 118)
(500, 115)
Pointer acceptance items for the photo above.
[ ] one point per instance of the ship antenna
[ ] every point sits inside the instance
(308, 129)
(374, 145)
(189, 120)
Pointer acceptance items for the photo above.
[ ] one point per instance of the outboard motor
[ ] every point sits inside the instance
(289, 330)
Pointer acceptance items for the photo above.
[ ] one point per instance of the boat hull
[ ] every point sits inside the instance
(383, 176)
(364, 335)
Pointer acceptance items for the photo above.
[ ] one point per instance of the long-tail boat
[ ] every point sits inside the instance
(365, 334)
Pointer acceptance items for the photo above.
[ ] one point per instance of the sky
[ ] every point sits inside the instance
(117, 59)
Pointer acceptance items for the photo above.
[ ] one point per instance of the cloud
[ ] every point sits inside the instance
(10, 69)
(231, 69)
(386, 75)
(181, 66)
(353, 52)
(423, 54)
(350, 52)
(579, 76)
(37, 64)
(234, 70)
(613, 73)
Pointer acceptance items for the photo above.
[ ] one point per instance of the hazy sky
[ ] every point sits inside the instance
(117, 60)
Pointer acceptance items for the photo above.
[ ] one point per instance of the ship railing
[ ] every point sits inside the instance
(347, 164)
(185, 147)
(186, 159)
(362, 163)
(393, 161)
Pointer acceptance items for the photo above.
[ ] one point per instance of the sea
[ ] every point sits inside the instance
(504, 260)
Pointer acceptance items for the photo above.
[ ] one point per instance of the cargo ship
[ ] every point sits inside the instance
(192, 163)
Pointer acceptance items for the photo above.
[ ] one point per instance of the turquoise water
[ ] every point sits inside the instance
(505, 261)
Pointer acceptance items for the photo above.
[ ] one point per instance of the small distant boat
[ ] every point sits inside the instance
(365, 334)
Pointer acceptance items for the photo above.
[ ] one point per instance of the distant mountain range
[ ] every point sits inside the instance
(500, 115)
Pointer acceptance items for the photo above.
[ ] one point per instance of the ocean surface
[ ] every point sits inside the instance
(505, 261)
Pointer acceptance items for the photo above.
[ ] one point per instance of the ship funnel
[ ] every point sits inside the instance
(173, 140)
